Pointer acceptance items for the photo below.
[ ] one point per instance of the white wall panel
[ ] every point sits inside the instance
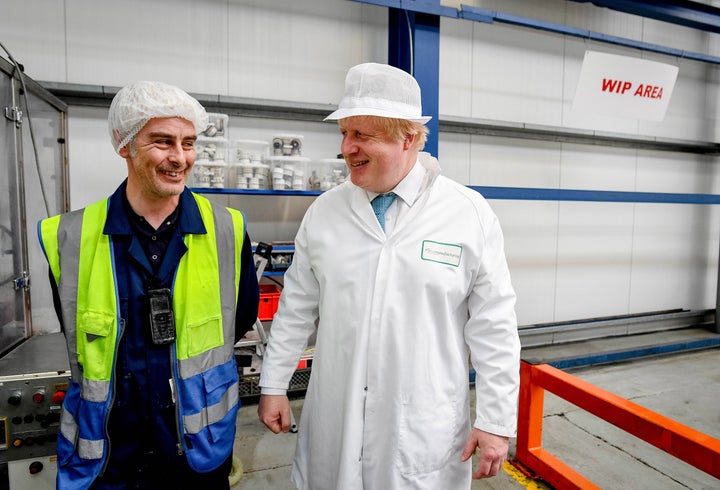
(509, 162)
(607, 21)
(677, 172)
(512, 84)
(713, 44)
(455, 162)
(669, 257)
(34, 33)
(95, 169)
(706, 266)
(711, 129)
(300, 51)
(456, 67)
(595, 242)
(182, 42)
(597, 168)
(530, 231)
(679, 37)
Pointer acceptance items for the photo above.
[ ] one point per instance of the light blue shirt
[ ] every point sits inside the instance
(407, 191)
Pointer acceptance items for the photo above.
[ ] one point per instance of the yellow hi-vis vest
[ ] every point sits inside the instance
(205, 291)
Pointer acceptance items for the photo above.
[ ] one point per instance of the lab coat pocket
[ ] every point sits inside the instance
(425, 435)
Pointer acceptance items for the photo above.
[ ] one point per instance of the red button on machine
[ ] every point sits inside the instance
(38, 396)
(58, 397)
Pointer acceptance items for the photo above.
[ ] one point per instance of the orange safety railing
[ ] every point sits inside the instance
(685, 443)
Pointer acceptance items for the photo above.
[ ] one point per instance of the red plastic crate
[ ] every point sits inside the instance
(269, 299)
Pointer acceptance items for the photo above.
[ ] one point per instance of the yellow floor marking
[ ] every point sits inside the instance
(520, 477)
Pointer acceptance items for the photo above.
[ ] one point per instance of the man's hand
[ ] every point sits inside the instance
(493, 452)
(274, 412)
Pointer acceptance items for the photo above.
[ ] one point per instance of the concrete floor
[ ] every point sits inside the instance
(683, 386)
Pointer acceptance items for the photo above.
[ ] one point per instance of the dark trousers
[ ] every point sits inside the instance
(153, 477)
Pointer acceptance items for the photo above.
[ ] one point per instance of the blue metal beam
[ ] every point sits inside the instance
(414, 46)
(709, 16)
(432, 7)
(686, 13)
(489, 16)
(640, 352)
(528, 194)
(540, 194)
(427, 73)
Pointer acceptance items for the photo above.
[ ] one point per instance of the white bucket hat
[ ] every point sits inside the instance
(373, 89)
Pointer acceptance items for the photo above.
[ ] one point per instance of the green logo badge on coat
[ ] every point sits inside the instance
(443, 253)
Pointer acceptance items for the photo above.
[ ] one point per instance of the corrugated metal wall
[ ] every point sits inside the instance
(569, 260)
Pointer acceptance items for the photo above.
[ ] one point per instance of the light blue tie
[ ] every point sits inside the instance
(380, 204)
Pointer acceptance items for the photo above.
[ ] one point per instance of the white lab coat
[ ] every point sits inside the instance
(387, 406)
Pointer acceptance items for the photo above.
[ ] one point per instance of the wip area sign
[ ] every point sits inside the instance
(624, 87)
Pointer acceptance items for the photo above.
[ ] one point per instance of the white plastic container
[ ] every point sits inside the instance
(288, 173)
(217, 126)
(211, 176)
(247, 170)
(288, 145)
(327, 173)
(210, 170)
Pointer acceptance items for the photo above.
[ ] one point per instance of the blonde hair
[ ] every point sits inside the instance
(399, 129)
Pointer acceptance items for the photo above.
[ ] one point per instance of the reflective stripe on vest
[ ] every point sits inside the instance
(207, 400)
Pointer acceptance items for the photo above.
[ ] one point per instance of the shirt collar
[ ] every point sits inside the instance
(189, 220)
(409, 188)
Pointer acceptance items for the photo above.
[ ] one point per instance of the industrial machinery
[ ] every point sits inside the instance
(250, 350)
(33, 380)
(34, 368)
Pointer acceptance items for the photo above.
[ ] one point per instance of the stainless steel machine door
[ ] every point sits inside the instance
(33, 185)
(12, 260)
(45, 195)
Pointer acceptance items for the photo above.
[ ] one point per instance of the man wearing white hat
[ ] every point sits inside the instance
(403, 295)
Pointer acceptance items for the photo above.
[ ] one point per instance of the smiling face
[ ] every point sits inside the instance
(160, 159)
(377, 161)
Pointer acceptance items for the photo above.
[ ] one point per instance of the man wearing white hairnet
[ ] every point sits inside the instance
(405, 273)
(153, 287)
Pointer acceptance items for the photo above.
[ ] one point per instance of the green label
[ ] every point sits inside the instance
(443, 253)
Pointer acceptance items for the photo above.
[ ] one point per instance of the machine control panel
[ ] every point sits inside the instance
(30, 407)
(34, 378)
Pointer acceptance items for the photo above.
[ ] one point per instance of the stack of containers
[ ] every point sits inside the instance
(211, 150)
(247, 170)
(327, 173)
(289, 173)
(288, 168)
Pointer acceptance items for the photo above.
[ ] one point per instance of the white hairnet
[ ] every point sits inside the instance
(135, 104)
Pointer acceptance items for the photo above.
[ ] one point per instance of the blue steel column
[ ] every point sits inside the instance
(414, 46)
